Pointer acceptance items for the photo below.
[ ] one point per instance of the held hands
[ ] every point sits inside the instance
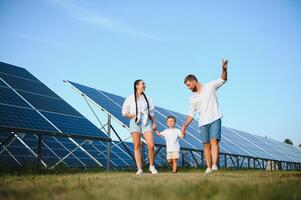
(154, 126)
(225, 64)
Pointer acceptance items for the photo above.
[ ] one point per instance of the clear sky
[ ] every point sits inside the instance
(109, 44)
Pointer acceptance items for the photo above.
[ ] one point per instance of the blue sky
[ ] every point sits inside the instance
(109, 44)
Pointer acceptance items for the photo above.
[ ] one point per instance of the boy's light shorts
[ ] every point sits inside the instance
(173, 155)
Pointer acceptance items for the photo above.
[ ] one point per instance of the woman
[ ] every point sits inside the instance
(140, 110)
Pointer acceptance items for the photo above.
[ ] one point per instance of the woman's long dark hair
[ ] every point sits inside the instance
(135, 93)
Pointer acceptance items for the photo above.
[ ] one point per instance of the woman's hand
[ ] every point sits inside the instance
(154, 126)
(131, 116)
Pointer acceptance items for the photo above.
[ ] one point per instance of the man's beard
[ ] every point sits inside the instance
(194, 89)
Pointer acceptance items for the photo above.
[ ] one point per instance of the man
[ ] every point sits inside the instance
(204, 102)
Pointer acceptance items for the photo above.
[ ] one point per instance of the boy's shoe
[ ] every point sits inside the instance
(139, 172)
(208, 171)
(214, 168)
(153, 170)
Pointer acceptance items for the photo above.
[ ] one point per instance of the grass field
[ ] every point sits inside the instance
(189, 184)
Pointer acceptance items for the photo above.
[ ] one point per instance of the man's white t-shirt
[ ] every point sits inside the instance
(171, 136)
(206, 104)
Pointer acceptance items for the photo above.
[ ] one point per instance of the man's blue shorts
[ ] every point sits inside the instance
(211, 131)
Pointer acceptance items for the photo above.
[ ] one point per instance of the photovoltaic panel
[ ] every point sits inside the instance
(20, 89)
(16, 71)
(23, 119)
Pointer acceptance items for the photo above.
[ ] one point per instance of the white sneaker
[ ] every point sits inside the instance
(214, 168)
(153, 170)
(208, 171)
(139, 172)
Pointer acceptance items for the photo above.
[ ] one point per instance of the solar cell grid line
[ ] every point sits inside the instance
(254, 144)
(95, 96)
(249, 147)
(6, 68)
(267, 145)
(285, 148)
(245, 150)
(22, 113)
(41, 97)
(264, 147)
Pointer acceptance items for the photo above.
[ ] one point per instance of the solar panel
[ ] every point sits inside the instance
(23, 119)
(26, 103)
(233, 142)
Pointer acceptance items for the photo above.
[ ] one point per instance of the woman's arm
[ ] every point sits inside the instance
(154, 126)
(126, 109)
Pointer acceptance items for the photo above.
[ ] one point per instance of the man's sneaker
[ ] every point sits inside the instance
(153, 170)
(208, 171)
(139, 172)
(214, 168)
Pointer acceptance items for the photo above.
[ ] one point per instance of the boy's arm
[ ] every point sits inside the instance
(157, 132)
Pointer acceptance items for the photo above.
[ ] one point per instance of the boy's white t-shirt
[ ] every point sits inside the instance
(171, 136)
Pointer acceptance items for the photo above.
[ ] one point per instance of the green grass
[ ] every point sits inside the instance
(189, 184)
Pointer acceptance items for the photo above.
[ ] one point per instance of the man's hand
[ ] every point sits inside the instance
(225, 64)
(224, 71)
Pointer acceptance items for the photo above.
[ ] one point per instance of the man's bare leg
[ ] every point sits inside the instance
(207, 152)
(214, 151)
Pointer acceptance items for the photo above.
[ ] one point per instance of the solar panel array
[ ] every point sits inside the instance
(27, 104)
(233, 141)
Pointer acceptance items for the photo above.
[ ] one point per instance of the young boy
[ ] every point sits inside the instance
(171, 135)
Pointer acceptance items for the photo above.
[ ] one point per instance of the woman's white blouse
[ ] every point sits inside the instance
(130, 107)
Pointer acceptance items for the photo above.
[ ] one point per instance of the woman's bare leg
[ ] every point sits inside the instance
(149, 138)
(137, 144)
